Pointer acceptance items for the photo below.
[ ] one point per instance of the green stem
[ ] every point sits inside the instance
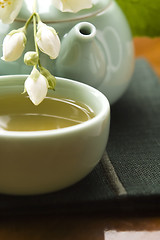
(28, 21)
(34, 6)
(38, 18)
(35, 31)
(35, 19)
(34, 13)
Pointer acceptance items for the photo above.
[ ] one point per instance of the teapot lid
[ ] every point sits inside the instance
(49, 13)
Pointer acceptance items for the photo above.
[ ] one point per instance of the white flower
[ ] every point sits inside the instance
(72, 5)
(13, 45)
(48, 40)
(36, 86)
(9, 10)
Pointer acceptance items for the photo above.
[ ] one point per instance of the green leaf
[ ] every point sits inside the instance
(143, 16)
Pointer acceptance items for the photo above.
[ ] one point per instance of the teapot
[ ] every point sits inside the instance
(96, 45)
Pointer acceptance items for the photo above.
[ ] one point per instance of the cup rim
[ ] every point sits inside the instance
(62, 131)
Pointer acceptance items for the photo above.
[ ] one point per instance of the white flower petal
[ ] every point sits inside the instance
(72, 5)
(13, 46)
(36, 87)
(9, 10)
(48, 40)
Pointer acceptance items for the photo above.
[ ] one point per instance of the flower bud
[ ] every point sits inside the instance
(13, 45)
(48, 40)
(72, 5)
(36, 86)
(50, 78)
(31, 58)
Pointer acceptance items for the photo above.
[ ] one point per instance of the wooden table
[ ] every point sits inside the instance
(89, 227)
(76, 227)
(149, 48)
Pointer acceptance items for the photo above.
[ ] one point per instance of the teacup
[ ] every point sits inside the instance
(36, 162)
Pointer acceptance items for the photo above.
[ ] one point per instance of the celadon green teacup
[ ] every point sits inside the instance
(36, 162)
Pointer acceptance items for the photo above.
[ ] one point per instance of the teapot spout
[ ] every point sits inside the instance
(82, 57)
(85, 31)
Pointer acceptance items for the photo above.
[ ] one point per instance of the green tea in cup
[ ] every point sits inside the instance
(17, 113)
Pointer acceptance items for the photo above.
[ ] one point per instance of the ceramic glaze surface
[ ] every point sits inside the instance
(43, 161)
(49, 13)
(106, 62)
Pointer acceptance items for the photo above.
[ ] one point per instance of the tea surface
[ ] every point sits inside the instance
(17, 113)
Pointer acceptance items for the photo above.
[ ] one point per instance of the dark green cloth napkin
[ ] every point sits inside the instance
(128, 175)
